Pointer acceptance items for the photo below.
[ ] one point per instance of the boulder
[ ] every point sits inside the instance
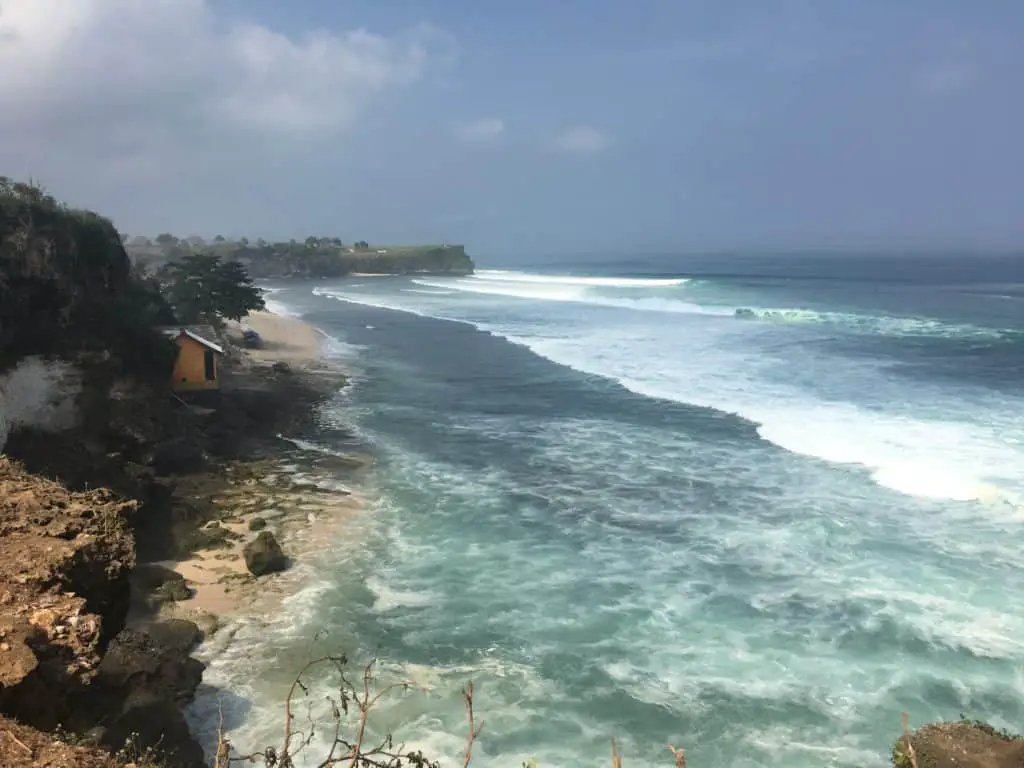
(157, 660)
(151, 721)
(281, 367)
(143, 681)
(176, 635)
(257, 524)
(263, 555)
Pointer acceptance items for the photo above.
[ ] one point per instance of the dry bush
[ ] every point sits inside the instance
(351, 696)
(360, 697)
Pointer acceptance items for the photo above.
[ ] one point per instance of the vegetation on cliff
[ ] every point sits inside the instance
(68, 288)
(310, 258)
(204, 289)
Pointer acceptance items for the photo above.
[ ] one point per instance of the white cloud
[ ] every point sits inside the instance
(582, 140)
(145, 84)
(483, 131)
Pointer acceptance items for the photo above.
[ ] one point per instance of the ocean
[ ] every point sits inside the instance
(755, 507)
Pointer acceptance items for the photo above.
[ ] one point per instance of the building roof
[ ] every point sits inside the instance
(193, 332)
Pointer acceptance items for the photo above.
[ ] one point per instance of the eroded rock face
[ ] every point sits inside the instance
(143, 681)
(64, 590)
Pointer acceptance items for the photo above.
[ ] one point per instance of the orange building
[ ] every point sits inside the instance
(198, 358)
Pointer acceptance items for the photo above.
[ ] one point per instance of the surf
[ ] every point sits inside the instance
(713, 361)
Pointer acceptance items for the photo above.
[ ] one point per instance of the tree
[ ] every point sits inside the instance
(219, 239)
(202, 288)
(166, 239)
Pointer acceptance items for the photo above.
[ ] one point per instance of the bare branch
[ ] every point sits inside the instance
(20, 743)
(616, 757)
(474, 730)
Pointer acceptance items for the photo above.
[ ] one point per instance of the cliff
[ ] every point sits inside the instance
(67, 287)
(66, 660)
(82, 392)
(312, 258)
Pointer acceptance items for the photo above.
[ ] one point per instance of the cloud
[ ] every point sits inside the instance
(483, 131)
(582, 140)
(140, 85)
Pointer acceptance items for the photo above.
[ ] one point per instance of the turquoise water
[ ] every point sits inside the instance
(622, 508)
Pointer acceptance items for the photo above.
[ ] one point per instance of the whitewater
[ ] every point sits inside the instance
(756, 515)
(931, 446)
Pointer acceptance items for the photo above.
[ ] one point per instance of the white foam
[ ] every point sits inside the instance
(437, 292)
(277, 308)
(939, 458)
(501, 275)
(954, 450)
(537, 292)
(579, 293)
(884, 324)
(387, 598)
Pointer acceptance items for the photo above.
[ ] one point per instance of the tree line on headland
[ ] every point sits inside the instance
(313, 257)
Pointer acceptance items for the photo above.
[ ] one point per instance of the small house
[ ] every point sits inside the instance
(198, 359)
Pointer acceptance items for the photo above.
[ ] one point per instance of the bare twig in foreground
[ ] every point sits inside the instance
(474, 730)
(906, 738)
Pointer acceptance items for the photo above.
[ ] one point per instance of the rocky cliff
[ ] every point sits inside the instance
(82, 386)
(66, 661)
(67, 287)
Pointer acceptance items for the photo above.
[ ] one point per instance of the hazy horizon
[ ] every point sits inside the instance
(576, 128)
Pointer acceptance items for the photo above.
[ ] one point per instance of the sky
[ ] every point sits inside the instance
(528, 127)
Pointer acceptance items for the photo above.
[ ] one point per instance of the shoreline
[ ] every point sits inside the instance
(296, 499)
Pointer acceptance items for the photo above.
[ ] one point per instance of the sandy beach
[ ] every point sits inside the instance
(302, 510)
(285, 339)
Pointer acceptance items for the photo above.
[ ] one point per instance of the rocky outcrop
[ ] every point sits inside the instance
(144, 680)
(263, 555)
(65, 659)
(965, 744)
(64, 590)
